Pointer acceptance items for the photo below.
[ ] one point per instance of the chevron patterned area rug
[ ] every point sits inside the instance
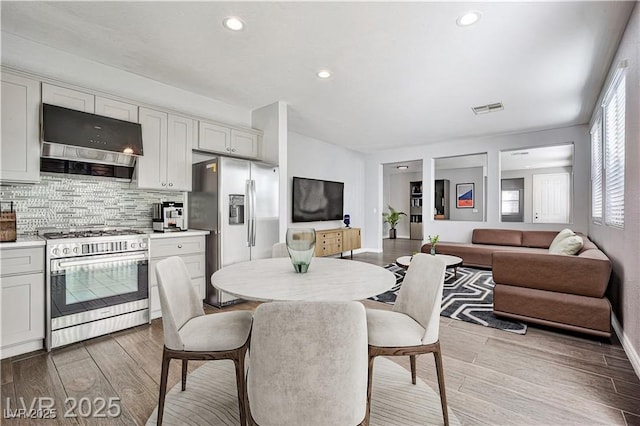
(468, 296)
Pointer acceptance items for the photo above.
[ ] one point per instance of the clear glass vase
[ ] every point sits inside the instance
(301, 243)
(433, 250)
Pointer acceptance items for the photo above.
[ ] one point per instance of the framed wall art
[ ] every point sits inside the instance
(465, 195)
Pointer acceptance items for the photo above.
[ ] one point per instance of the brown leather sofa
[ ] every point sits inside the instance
(535, 286)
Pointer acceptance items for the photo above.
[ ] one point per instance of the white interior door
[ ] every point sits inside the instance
(551, 198)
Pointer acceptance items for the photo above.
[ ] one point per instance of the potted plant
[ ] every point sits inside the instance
(434, 241)
(392, 218)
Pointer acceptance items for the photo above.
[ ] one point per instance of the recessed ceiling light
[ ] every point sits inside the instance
(323, 74)
(468, 18)
(233, 23)
(402, 167)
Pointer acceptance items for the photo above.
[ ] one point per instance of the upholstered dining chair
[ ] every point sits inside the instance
(412, 327)
(190, 334)
(279, 250)
(308, 364)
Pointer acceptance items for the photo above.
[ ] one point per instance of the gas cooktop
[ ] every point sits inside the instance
(88, 233)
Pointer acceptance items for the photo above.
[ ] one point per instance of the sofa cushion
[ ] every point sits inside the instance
(478, 255)
(581, 275)
(497, 237)
(587, 313)
(565, 233)
(538, 239)
(570, 245)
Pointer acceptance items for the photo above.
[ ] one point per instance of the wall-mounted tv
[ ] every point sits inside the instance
(316, 200)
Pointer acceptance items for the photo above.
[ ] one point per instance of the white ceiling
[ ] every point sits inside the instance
(404, 73)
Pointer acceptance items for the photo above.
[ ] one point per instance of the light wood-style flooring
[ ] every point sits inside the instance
(545, 377)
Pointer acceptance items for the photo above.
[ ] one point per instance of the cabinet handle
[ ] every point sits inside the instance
(164, 184)
(179, 245)
(170, 184)
(233, 150)
(228, 149)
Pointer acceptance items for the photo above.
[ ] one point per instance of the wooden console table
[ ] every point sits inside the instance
(337, 241)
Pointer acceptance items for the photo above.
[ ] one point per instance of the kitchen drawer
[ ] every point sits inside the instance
(195, 265)
(177, 246)
(21, 261)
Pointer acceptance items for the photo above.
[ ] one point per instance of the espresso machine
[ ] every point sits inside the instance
(168, 217)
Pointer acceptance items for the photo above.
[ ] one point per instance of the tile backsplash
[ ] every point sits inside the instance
(82, 202)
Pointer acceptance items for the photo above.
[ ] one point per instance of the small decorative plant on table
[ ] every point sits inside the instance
(392, 218)
(434, 241)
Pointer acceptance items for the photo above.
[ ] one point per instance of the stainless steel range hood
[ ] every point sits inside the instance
(79, 136)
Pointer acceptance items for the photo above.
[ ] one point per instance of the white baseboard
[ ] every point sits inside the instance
(631, 352)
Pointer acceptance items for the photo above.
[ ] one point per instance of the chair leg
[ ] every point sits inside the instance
(241, 384)
(412, 359)
(184, 374)
(443, 396)
(367, 416)
(166, 359)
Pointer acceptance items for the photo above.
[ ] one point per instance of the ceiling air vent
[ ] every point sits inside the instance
(483, 109)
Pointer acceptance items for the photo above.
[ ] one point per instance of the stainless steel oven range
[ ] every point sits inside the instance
(97, 283)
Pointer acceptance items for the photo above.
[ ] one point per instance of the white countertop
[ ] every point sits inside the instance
(24, 241)
(175, 234)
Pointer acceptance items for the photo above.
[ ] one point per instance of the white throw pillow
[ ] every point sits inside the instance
(565, 233)
(570, 245)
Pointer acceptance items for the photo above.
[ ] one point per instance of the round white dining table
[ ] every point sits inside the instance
(327, 279)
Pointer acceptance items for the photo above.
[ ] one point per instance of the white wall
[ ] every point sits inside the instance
(44, 61)
(623, 245)
(492, 145)
(315, 159)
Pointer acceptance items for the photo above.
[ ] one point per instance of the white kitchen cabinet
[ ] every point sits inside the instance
(167, 142)
(20, 143)
(244, 144)
(116, 109)
(22, 298)
(192, 251)
(224, 140)
(68, 98)
(214, 138)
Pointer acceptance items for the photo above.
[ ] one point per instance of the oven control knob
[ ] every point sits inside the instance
(65, 251)
(143, 245)
(133, 245)
(56, 251)
(76, 250)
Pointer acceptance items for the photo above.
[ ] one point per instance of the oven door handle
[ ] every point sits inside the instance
(63, 265)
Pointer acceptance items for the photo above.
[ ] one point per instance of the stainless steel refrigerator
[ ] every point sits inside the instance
(237, 200)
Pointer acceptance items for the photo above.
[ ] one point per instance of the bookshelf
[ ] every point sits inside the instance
(415, 210)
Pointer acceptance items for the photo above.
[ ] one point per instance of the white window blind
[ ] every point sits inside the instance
(596, 171)
(614, 144)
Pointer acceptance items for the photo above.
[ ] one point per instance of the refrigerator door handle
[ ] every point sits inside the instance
(249, 212)
(253, 213)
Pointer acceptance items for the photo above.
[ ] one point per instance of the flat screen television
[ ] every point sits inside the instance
(317, 200)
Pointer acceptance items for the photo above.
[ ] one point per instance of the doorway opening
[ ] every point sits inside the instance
(402, 191)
